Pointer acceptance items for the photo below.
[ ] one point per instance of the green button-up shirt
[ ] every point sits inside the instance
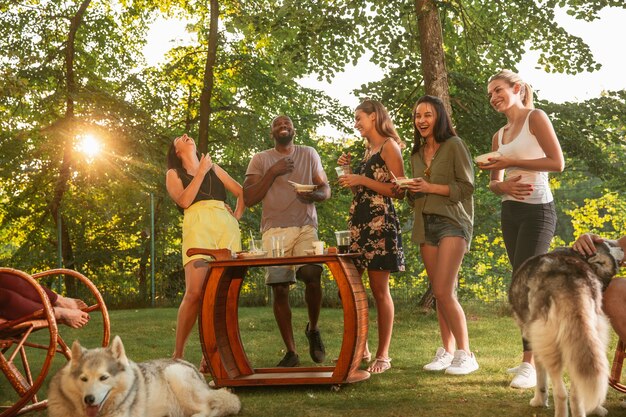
(452, 166)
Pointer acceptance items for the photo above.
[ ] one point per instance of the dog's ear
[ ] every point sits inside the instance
(77, 353)
(117, 350)
(614, 252)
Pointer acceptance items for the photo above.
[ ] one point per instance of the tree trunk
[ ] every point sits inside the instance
(431, 50)
(67, 133)
(207, 89)
(434, 73)
(427, 302)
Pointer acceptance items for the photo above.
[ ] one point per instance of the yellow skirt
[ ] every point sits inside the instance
(209, 225)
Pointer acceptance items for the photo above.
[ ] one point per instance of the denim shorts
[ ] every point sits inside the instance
(437, 227)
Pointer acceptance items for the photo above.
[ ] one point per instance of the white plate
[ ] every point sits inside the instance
(252, 255)
(484, 158)
(303, 188)
(404, 182)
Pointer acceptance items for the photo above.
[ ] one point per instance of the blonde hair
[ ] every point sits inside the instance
(526, 91)
(384, 125)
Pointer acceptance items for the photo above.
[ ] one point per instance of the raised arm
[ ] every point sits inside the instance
(392, 156)
(182, 196)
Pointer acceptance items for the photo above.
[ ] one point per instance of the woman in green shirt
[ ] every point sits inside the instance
(441, 194)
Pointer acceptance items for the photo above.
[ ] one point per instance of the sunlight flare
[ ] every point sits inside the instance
(90, 146)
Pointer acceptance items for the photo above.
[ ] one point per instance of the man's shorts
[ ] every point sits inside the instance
(297, 240)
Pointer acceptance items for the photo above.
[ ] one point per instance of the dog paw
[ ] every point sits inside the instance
(537, 401)
(599, 411)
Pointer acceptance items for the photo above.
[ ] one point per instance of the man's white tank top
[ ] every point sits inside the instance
(526, 146)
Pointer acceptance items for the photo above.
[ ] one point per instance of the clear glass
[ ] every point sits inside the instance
(278, 246)
(343, 241)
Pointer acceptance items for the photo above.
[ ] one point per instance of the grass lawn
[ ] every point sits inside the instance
(405, 390)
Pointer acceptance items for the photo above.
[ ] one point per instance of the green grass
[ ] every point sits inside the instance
(405, 390)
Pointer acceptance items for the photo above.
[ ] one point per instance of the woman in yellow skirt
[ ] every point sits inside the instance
(198, 186)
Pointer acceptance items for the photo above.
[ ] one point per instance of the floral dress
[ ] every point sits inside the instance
(373, 223)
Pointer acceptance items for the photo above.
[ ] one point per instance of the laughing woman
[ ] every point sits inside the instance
(528, 149)
(441, 192)
(198, 186)
(373, 223)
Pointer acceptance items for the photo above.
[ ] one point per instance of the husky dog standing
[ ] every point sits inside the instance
(557, 302)
(103, 382)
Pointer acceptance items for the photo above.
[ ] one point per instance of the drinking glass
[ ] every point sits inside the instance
(343, 241)
(278, 246)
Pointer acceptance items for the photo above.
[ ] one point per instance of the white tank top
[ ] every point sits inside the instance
(526, 146)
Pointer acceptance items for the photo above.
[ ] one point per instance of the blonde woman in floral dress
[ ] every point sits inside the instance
(373, 223)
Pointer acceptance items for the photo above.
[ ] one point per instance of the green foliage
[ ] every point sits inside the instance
(265, 47)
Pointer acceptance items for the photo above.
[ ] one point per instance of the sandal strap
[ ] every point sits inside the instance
(382, 364)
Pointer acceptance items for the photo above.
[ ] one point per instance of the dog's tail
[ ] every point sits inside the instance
(586, 356)
(578, 330)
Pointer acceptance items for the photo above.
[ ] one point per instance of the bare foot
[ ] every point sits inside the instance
(66, 302)
(71, 316)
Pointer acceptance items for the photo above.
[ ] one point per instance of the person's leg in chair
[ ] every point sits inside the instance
(615, 306)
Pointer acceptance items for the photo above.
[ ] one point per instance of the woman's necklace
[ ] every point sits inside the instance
(430, 152)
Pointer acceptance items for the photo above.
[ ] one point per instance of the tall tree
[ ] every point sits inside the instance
(67, 132)
(431, 50)
(208, 79)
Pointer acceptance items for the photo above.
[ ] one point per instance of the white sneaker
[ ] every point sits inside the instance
(525, 377)
(512, 370)
(623, 403)
(463, 363)
(441, 361)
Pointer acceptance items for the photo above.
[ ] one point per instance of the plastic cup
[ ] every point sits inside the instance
(278, 246)
(343, 241)
(342, 170)
(256, 245)
(318, 247)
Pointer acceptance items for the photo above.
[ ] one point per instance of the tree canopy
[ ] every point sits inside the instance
(74, 68)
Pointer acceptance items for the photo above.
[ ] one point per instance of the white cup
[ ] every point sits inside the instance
(318, 247)
(342, 170)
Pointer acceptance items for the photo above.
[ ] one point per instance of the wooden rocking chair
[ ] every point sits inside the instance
(26, 337)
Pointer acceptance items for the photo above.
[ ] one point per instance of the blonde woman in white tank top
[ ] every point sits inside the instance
(529, 149)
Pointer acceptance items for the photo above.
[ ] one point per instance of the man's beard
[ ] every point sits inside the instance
(284, 140)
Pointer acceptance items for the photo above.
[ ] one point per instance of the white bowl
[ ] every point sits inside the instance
(484, 158)
(303, 188)
(404, 182)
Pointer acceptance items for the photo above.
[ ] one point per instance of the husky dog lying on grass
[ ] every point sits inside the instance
(103, 382)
